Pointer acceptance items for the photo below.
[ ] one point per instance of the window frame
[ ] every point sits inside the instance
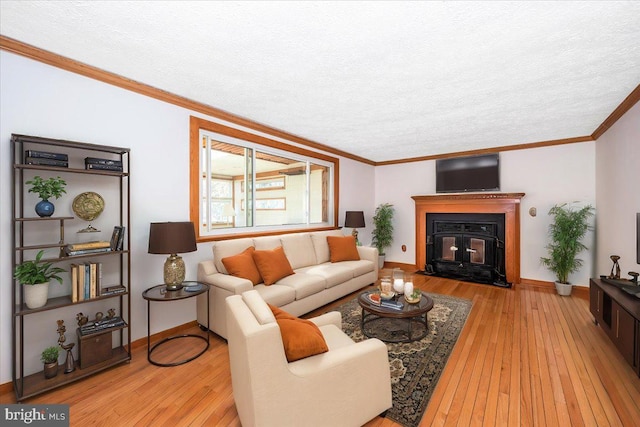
(196, 125)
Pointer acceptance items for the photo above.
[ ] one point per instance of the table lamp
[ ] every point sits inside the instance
(172, 238)
(354, 219)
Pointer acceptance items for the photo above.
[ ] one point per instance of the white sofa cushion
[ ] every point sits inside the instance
(277, 295)
(360, 267)
(333, 274)
(266, 243)
(320, 245)
(303, 284)
(226, 248)
(299, 249)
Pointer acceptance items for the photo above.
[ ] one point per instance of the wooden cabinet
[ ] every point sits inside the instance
(618, 313)
(31, 233)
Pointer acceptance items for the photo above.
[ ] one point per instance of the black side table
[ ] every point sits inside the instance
(160, 293)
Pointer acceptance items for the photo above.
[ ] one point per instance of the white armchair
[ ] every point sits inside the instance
(346, 386)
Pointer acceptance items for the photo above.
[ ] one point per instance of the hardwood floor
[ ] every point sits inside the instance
(526, 357)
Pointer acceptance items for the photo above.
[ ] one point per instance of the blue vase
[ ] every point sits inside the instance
(44, 208)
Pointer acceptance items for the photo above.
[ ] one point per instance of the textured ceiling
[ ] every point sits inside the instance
(380, 80)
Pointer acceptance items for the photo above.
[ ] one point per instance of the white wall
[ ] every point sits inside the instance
(40, 100)
(549, 175)
(618, 193)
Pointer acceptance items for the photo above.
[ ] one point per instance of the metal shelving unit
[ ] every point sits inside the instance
(26, 386)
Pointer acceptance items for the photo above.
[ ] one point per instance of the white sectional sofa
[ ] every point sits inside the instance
(316, 281)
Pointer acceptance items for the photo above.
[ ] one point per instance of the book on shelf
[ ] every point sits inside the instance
(79, 285)
(74, 282)
(102, 325)
(86, 281)
(113, 168)
(93, 284)
(117, 238)
(112, 290)
(88, 245)
(86, 251)
(37, 154)
(46, 162)
(98, 161)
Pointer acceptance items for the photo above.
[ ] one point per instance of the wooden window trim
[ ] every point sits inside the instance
(195, 124)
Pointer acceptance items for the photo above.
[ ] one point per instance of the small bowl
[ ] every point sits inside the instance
(387, 295)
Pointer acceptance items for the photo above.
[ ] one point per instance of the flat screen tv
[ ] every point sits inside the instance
(471, 173)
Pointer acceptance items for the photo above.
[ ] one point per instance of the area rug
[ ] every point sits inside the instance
(416, 366)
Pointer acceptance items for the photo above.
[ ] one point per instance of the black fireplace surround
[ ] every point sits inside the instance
(467, 246)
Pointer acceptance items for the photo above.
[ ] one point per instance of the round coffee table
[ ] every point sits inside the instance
(403, 324)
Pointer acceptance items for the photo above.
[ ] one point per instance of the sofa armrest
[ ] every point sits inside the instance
(331, 318)
(208, 274)
(368, 253)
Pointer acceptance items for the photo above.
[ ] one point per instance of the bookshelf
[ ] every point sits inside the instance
(26, 231)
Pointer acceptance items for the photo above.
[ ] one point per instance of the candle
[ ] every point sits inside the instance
(408, 288)
(398, 285)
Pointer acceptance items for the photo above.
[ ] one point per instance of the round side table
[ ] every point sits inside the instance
(159, 293)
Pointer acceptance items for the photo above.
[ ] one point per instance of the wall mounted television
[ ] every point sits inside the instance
(470, 173)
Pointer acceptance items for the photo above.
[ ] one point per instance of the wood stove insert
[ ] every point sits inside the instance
(467, 247)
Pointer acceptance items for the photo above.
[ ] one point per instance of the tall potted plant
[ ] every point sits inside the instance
(35, 275)
(383, 230)
(566, 231)
(52, 187)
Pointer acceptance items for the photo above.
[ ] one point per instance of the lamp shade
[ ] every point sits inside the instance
(354, 219)
(172, 238)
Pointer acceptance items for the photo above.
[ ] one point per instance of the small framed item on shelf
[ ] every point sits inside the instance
(117, 238)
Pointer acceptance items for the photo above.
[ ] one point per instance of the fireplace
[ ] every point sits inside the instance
(466, 246)
(505, 204)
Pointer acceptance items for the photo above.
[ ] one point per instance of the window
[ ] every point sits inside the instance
(246, 183)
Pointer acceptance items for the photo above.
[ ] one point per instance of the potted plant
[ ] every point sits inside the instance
(383, 230)
(568, 228)
(52, 187)
(35, 276)
(49, 357)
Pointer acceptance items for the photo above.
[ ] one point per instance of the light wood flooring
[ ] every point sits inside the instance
(526, 357)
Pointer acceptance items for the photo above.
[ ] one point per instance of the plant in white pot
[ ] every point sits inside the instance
(567, 230)
(383, 230)
(35, 275)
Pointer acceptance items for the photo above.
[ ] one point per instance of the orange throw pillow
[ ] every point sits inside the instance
(242, 265)
(272, 264)
(342, 248)
(300, 337)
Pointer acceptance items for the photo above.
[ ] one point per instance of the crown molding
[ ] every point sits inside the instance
(55, 60)
(67, 64)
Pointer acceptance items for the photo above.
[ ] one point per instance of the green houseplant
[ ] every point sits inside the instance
(383, 230)
(49, 357)
(36, 275)
(52, 187)
(568, 228)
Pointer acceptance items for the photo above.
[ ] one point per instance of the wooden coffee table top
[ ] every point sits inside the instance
(408, 310)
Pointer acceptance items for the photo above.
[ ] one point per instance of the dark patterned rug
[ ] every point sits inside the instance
(416, 366)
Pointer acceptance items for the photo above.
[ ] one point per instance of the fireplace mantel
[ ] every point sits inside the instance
(505, 203)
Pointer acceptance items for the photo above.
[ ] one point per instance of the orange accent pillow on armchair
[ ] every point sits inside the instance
(300, 337)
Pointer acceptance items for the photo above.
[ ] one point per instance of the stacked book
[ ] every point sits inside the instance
(396, 305)
(87, 248)
(45, 158)
(112, 290)
(101, 325)
(103, 164)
